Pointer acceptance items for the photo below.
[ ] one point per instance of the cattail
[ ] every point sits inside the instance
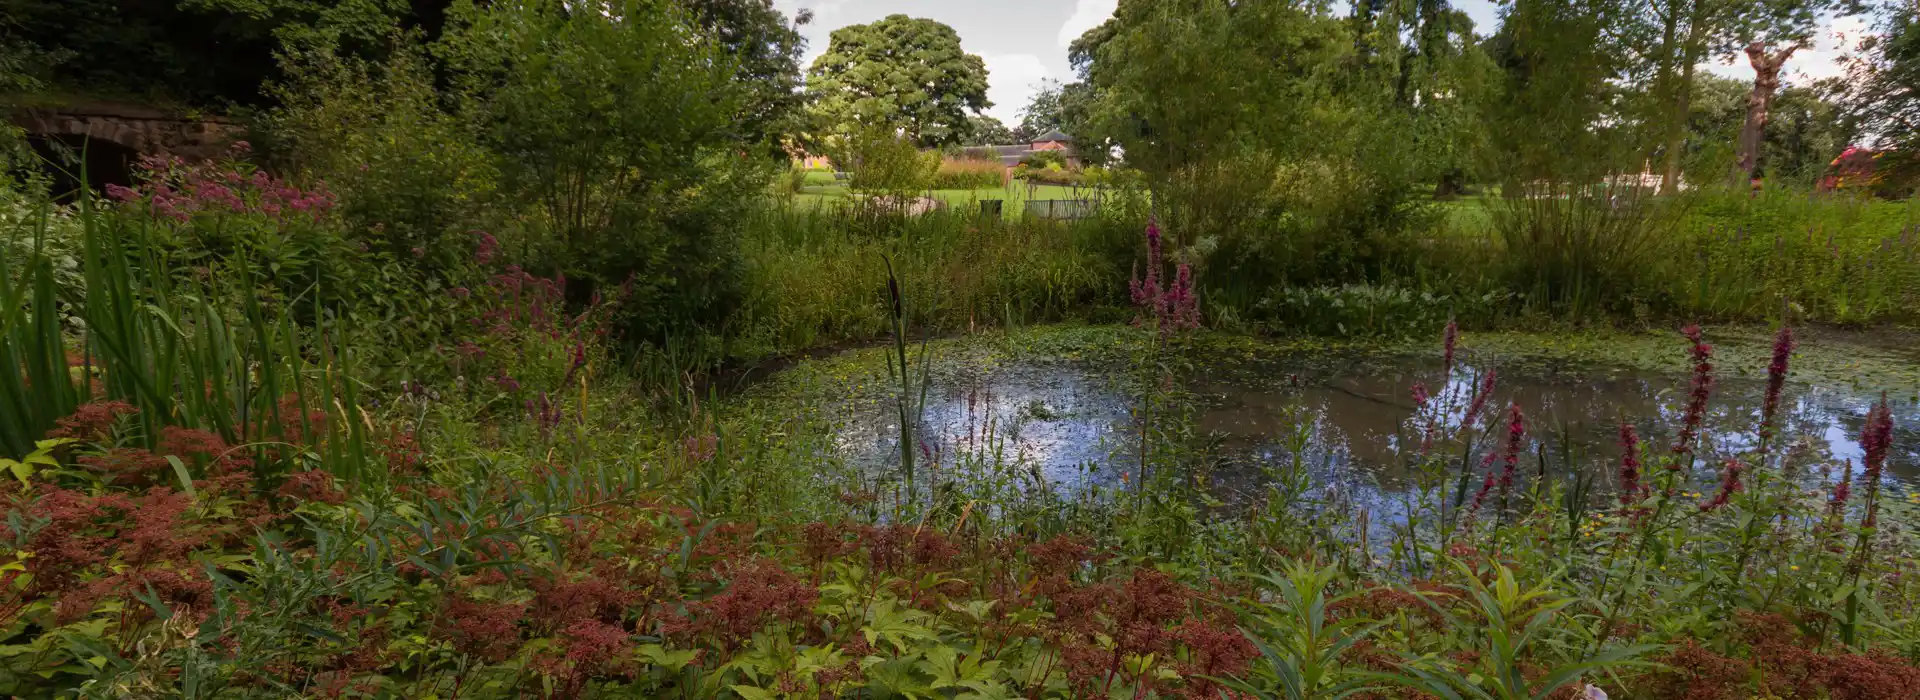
(1729, 485)
(1776, 379)
(1702, 389)
(1631, 490)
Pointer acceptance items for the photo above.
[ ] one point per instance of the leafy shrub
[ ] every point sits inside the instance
(968, 174)
(1051, 174)
(883, 164)
(411, 180)
(631, 183)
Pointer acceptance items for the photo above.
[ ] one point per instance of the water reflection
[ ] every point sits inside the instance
(1076, 428)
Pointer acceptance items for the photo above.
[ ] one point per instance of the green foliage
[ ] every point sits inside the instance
(898, 74)
(987, 131)
(885, 165)
(766, 48)
(410, 175)
(632, 183)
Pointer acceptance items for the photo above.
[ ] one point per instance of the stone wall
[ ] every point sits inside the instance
(147, 131)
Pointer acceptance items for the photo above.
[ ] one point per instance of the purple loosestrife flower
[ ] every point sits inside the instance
(1419, 395)
(1776, 379)
(1148, 294)
(1875, 439)
(1729, 485)
(1479, 402)
(1631, 490)
(1837, 504)
(485, 247)
(1486, 485)
(1182, 304)
(1448, 342)
(1701, 355)
(1516, 435)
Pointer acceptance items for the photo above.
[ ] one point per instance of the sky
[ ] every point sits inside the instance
(1024, 42)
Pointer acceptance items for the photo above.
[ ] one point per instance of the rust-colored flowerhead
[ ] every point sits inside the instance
(1701, 389)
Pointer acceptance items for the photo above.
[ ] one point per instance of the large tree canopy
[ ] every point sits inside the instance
(901, 73)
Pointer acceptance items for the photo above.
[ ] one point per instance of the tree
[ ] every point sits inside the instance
(1557, 114)
(902, 73)
(200, 52)
(987, 131)
(1881, 94)
(1042, 113)
(766, 48)
(618, 129)
(1672, 37)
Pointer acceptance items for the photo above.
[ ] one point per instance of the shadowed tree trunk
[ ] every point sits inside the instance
(1766, 84)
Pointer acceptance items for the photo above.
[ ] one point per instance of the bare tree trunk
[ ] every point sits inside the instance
(1766, 83)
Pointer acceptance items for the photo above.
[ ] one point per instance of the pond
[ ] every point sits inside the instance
(1349, 417)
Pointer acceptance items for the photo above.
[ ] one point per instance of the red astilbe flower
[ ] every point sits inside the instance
(1701, 389)
(560, 604)
(1632, 488)
(1217, 650)
(313, 485)
(127, 465)
(487, 631)
(1776, 380)
(760, 593)
(92, 422)
(592, 648)
(1729, 485)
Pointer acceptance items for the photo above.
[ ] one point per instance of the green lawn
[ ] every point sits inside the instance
(823, 191)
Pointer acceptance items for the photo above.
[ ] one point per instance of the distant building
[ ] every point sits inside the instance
(1011, 155)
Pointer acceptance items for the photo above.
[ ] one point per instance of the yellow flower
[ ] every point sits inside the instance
(1795, 568)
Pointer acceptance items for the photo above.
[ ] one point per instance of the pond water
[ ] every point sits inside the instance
(1350, 421)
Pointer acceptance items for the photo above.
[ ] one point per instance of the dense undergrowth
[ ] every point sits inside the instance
(249, 458)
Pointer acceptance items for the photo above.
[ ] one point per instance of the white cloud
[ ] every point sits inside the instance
(1011, 81)
(1087, 14)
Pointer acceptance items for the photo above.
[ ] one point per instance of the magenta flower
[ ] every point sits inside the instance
(1171, 308)
(1451, 338)
(1729, 485)
(1701, 390)
(1420, 395)
(1631, 490)
(1516, 436)
(1479, 401)
(1776, 380)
